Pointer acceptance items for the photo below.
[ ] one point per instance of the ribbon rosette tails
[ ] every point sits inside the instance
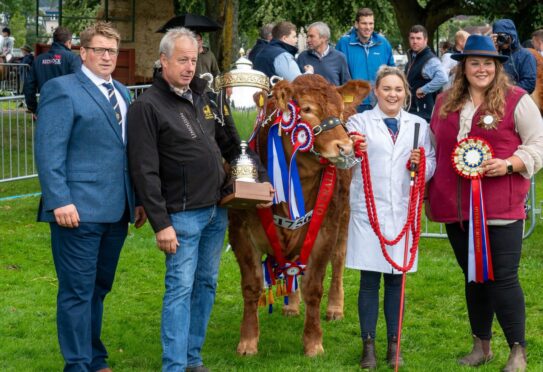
(467, 159)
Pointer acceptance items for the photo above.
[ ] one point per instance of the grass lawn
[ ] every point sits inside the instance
(436, 328)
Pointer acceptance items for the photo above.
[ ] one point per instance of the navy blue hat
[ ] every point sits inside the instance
(479, 46)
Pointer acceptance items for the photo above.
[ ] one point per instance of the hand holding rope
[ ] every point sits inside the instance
(414, 213)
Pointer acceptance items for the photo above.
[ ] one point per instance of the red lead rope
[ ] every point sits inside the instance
(416, 198)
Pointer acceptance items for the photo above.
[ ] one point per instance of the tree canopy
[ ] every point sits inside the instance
(393, 18)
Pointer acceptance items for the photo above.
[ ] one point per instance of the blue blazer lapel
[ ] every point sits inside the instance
(102, 102)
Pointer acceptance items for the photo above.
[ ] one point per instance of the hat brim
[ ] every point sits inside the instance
(461, 56)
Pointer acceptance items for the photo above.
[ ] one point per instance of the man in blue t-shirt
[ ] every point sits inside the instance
(326, 61)
(366, 51)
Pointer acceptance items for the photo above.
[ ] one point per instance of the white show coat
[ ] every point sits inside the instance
(390, 180)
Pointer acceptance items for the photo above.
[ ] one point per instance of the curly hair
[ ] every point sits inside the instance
(494, 96)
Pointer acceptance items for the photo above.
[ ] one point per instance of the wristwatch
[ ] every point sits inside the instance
(509, 166)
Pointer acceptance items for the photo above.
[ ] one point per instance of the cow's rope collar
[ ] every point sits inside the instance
(416, 199)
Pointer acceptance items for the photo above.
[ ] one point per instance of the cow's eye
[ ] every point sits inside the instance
(306, 109)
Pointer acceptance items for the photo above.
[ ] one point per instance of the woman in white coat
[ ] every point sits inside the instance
(387, 136)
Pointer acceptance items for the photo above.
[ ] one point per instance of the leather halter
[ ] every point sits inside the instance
(327, 124)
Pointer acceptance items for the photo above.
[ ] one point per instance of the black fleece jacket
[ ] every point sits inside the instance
(176, 150)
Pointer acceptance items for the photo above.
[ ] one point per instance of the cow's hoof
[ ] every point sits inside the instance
(314, 350)
(291, 311)
(334, 313)
(247, 347)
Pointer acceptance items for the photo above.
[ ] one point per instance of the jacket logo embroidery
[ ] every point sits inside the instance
(225, 110)
(207, 112)
(187, 125)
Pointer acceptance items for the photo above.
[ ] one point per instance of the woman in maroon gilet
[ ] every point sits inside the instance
(482, 103)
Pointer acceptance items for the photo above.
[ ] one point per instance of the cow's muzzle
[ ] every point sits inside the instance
(345, 161)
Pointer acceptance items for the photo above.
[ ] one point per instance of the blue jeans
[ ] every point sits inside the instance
(191, 281)
(368, 303)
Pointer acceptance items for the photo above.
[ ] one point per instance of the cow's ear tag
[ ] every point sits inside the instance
(348, 98)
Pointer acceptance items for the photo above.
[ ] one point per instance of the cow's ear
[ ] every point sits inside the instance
(282, 92)
(260, 98)
(353, 92)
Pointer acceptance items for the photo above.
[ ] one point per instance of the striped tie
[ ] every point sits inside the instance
(392, 124)
(114, 102)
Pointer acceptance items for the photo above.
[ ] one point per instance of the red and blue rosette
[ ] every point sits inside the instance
(289, 118)
(302, 137)
(290, 272)
(467, 159)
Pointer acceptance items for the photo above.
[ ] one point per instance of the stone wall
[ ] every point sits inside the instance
(149, 16)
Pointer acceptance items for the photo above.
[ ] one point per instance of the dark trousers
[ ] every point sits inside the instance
(503, 296)
(368, 303)
(85, 261)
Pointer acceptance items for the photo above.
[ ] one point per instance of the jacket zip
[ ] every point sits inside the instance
(184, 178)
(210, 147)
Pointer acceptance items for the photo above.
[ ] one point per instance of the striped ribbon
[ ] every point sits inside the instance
(479, 259)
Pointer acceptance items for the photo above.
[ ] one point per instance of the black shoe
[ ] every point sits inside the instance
(369, 359)
(392, 350)
(197, 369)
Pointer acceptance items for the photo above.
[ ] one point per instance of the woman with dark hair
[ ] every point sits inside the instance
(496, 133)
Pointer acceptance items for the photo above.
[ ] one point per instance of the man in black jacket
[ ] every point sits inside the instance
(176, 150)
(58, 61)
(424, 73)
(265, 38)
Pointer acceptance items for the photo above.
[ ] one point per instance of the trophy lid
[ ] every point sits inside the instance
(243, 75)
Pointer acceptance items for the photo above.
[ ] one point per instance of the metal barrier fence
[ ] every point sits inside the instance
(12, 76)
(437, 230)
(17, 137)
(16, 140)
(17, 156)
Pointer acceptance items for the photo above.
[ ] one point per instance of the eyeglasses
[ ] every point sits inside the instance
(102, 51)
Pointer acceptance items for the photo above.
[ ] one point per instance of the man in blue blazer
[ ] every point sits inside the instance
(87, 195)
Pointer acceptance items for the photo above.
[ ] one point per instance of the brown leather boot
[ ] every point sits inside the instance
(369, 359)
(480, 354)
(391, 353)
(517, 359)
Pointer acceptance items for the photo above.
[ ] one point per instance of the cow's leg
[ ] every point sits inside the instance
(251, 287)
(293, 307)
(334, 311)
(312, 283)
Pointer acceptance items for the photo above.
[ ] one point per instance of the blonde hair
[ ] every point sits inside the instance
(385, 71)
(494, 96)
(100, 28)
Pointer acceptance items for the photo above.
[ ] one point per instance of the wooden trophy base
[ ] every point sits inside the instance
(247, 195)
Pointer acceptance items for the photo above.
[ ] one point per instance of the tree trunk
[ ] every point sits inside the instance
(409, 13)
(225, 43)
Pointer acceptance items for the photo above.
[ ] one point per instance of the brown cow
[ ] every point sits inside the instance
(317, 100)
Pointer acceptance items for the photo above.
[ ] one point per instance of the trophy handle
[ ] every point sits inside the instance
(207, 76)
(275, 79)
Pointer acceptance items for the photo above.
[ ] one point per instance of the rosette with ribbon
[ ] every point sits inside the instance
(286, 180)
(290, 118)
(467, 159)
(302, 139)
